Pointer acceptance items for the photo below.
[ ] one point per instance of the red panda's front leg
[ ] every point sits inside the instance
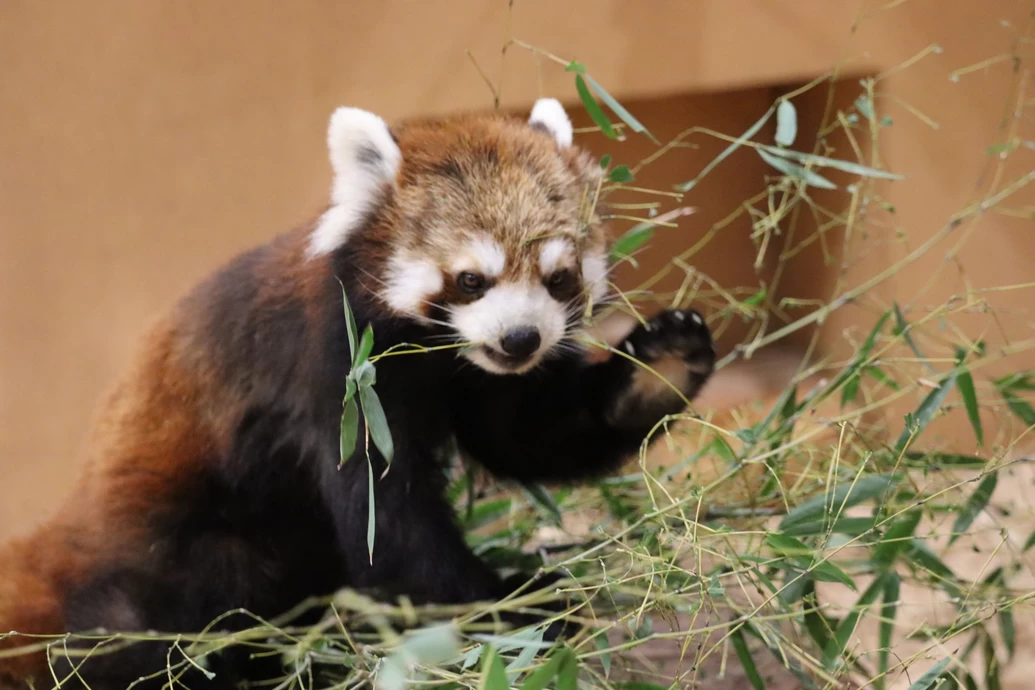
(571, 421)
(418, 549)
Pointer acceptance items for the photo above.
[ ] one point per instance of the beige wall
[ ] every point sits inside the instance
(142, 143)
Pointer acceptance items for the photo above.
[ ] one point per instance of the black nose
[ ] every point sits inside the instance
(521, 342)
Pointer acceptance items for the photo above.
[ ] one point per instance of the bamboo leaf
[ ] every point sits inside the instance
(836, 647)
(620, 173)
(493, 675)
(842, 497)
(633, 238)
(888, 612)
(568, 674)
(786, 123)
(788, 546)
(746, 661)
(825, 571)
(538, 679)
(350, 323)
(902, 328)
(539, 497)
(623, 114)
(349, 434)
(837, 164)
(965, 384)
(977, 502)
(796, 171)
(366, 344)
(593, 108)
(927, 681)
(897, 538)
(377, 423)
(918, 421)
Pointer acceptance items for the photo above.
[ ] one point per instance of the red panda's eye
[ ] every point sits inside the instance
(560, 280)
(470, 282)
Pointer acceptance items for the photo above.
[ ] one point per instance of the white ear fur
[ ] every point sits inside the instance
(364, 158)
(549, 113)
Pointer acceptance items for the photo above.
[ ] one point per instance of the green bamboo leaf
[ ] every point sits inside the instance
(371, 518)
(366, 344)
(539, 497)
(852, 526)
(936, 460)
(568, 674)
(746, 661)
(902, 328)
(1008, 630)
(623, 114)
(576, 67)
(888, 612)
(965, 384)
(786, 123)
(1028, 543)
(918, 421)
(538, 679)
(924, 559)
(633, 238)
(842, 497)
(992, 680)
(879, 375)
(1019, 407)
(865, 106)
(605, 161)
(377, 423)
(927, 681)
(789, 546)
(796, 171)
(837, 164)
(620, 173)
(825, 571)
(349, 430)
(859, 361)
(493, 675)
(350, 323)
(977, 502)
(602, 643)
(365, 374)
(897, 538)
(593, 108)
(836, 647)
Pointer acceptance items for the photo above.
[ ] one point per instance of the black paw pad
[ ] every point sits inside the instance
(681, 333)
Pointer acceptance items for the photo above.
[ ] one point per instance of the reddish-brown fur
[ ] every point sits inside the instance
(174, 409)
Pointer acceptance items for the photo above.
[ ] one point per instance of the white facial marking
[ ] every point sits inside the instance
(365, 159)
(697, 318)
(483, 256)
(554, 254)
(594, 275)
(549, 113)
(502, 309)
(680, 316)
(630, 349)
(411, 283)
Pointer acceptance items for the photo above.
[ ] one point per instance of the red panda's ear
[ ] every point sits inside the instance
(548, 114)
(366, 159)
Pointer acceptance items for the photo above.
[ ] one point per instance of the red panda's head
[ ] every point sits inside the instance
(487, 225)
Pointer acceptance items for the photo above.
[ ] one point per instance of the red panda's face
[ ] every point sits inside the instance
(490, 229)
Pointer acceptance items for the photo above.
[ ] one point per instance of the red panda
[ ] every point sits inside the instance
(213, 479)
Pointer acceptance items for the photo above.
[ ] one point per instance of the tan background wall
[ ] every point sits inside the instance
(142, 143)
